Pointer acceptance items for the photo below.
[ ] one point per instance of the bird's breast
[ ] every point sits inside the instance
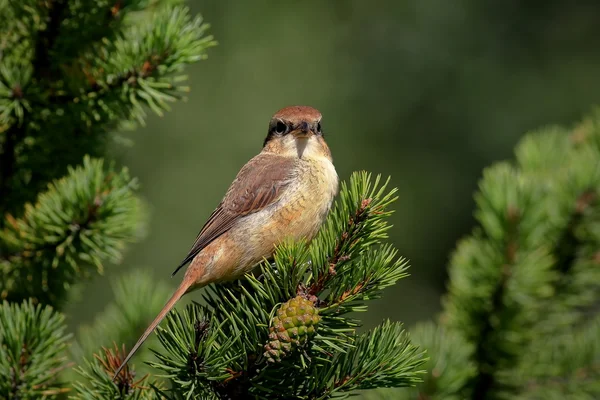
(297, 215)
(304, 207)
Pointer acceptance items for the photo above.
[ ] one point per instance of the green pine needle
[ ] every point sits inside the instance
(82, 221)
(98, 374)
(33, 345)
(529, 275)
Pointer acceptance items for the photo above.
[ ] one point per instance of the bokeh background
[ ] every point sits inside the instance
(427, 91)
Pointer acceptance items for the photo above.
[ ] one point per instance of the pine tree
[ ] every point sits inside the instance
(520, 319)
(71, 73)
(74, 72)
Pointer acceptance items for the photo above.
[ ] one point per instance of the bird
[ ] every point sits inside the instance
(283, 193)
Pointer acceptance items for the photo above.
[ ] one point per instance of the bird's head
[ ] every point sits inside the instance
(296, 131)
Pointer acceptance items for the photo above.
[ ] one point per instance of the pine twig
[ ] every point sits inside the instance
(486, 366)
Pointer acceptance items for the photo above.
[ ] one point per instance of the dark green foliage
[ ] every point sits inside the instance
(564, 366)
(72, 71)
(82, 221)
(382, 357)
(449, 367)
(524, 287)
(33, 347)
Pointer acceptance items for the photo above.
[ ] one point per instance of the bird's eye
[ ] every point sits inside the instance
(281, 128)
(319, 127)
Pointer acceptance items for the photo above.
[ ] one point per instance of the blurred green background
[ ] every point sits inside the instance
(427, 91)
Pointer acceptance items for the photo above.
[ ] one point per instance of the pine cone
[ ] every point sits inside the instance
(292, 327)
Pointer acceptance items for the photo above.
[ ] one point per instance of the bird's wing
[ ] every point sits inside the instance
(259, 184)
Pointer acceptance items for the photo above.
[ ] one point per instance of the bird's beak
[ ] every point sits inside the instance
(302, 130)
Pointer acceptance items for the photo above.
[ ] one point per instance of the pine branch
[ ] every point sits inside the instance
(7, 160)
(566, 248)
(82, 221)
(43, 42)
(383, 357)
(270, 337)
(364, 279)
(139, 68)
(197, 353)
(530, 271)
(46, 40)
(449, 365)
(572, 187)
(32, 351)
(499, 274)
(568, 366)
(60, 76)
(81, 68)
(89, 23)
(99, 372)
(486, 363)
(356, 223)
(137, 300)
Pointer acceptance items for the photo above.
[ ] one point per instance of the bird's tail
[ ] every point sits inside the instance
(181, 290)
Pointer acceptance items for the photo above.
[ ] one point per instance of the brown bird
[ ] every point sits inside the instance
(285, 192)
